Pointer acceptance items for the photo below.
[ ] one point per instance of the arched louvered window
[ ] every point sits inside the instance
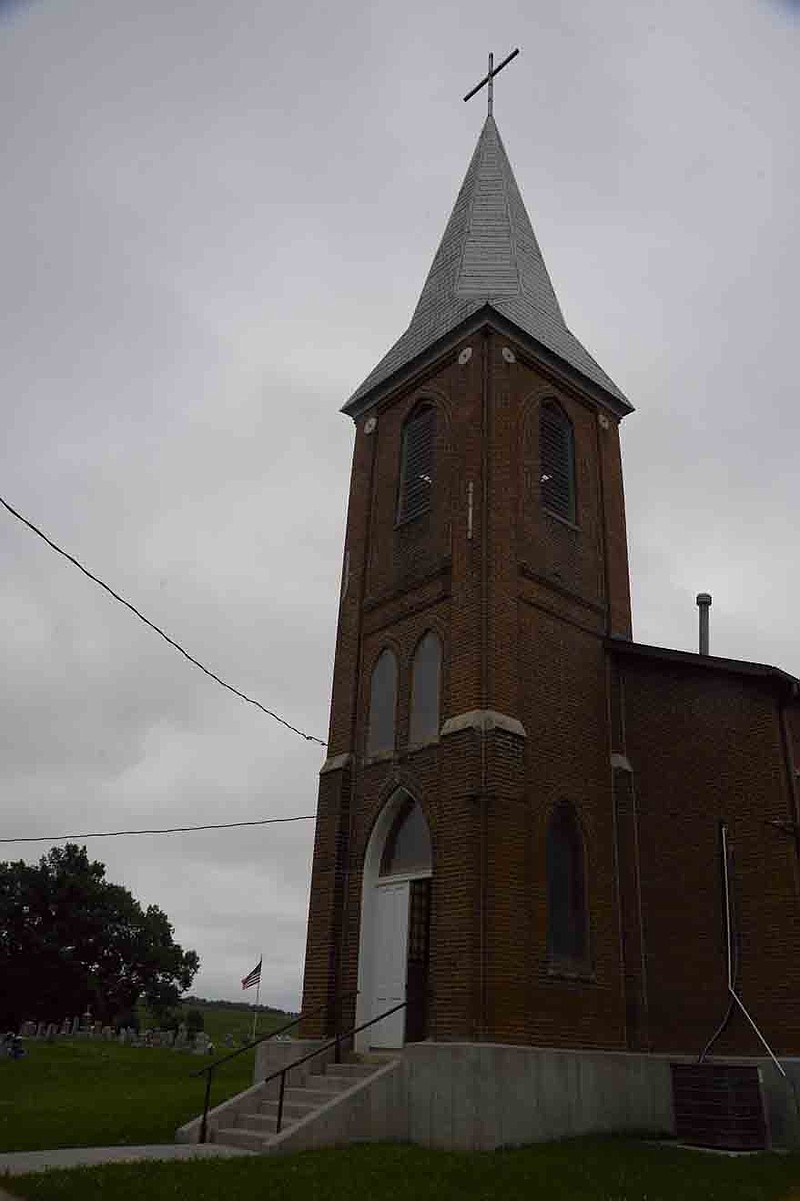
(426, 674)
(557, 460)
(417, 463)
(567, 918)
(382, 704)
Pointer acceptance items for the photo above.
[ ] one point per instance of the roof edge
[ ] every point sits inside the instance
(690, 659)
(487, 314)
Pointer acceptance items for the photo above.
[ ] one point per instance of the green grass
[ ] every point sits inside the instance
(219, 1020)
(83, 1094)
(576, 1170)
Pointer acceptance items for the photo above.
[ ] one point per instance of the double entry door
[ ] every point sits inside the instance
(401, 937)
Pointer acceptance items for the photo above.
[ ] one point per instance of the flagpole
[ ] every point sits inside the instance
(255, 1007)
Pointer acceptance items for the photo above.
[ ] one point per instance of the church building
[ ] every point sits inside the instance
(519, 822)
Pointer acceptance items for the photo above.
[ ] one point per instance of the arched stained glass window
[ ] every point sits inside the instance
(426, 673)
(557, 460)
(408, 843)
(382, 704)
(567, 919)
(417, 463)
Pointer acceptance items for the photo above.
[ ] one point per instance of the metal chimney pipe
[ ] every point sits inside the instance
(704, 604)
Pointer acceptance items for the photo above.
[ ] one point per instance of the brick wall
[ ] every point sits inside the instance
(705, 745)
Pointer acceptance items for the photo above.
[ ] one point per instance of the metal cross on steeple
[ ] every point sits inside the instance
(489, 77)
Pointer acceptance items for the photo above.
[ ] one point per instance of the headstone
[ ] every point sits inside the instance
(66, 1026)
(41, 1030)
(107, 1034)
(76, 1025)
(51, 1032)
(182, 1038)
(97, 1030)
(229, 1040)
(122, 1036)
(169, 1036)
(201, 1042)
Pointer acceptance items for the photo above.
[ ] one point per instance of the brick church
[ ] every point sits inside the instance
(519, 821)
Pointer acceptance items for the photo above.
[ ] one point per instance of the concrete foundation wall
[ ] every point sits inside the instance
(480, 1096)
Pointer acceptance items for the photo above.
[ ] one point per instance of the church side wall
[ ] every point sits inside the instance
(706, 746)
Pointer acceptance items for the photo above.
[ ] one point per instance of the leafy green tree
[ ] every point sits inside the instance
(72, 941)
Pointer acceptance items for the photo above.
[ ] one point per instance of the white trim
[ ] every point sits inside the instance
(483, 720)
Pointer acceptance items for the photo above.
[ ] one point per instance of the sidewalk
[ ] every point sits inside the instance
(18, 1162)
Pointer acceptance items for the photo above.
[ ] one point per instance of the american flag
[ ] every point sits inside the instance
(253, 977)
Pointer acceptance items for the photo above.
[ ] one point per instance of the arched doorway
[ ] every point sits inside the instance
(395, 925)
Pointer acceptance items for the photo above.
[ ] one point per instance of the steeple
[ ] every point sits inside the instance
(488, 256)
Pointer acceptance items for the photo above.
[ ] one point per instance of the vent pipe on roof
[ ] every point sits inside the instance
(703, 604)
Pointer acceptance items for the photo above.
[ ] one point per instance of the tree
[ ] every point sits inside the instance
(72, 941)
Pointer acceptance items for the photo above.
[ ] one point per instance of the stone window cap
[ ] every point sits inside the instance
(335, 763)
(483, 720)
(621, 763)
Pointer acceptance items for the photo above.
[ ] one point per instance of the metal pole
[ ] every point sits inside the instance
(723, 829)
(206, 1103)
(280, 1102)
(255, 1007)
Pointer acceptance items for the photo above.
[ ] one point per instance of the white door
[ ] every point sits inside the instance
(389, 956)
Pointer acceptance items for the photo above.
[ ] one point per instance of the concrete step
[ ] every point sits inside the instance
(295, 1108)
(251, 1140)
(262, 1122)
(353, 1071)
(324, 1087)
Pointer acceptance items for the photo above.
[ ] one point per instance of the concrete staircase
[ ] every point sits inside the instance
(253, 1127)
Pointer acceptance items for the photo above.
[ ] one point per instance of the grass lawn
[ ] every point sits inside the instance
(575, 1170)
(96, 1094)
(81, 1093)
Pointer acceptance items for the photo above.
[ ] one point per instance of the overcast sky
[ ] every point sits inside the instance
(215, 220)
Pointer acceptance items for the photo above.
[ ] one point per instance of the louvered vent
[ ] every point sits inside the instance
(557, 460)
(416, 483)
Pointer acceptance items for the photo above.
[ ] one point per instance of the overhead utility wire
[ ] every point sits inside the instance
(264, 821)
(95, 579)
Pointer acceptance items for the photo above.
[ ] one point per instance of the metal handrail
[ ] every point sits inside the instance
(334, 1042)
(211, 1067)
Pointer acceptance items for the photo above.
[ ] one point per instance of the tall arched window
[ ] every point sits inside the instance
(557, 460)
(567, 919)
(426, 674)
(382, 704)
(417, 463)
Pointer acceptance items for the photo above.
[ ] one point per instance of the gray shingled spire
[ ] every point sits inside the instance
(488, 255)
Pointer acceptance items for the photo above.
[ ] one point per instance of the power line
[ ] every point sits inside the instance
(264, 821)
(96, 580)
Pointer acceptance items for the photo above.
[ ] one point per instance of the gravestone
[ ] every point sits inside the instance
(107, 1034)
(51, 1032)
(76, 1025)
(182, 1038)
(201, 1043)
(229, 1040)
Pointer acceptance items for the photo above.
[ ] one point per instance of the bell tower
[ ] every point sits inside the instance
(464, 855)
